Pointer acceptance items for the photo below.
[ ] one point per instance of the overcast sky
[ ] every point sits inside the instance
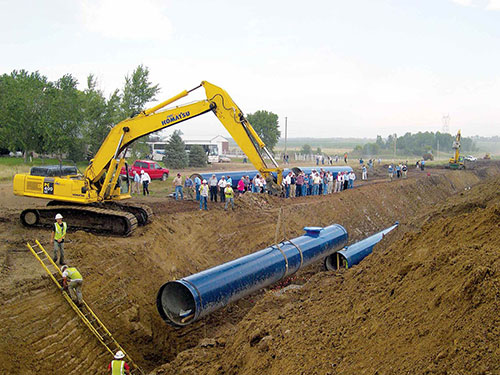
(335, 68)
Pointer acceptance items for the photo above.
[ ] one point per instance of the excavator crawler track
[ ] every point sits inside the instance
(87, 218)
(142, 212)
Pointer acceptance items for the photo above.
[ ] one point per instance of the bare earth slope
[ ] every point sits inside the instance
(428, 303)
(317, 328)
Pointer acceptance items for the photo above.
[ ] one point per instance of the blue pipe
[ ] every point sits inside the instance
(355, 253)
(184, 301)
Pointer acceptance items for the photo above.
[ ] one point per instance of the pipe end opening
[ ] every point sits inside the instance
(335, 261)
(176, 303)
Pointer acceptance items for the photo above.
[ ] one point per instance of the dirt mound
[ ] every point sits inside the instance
(427, 303)
(122, 277)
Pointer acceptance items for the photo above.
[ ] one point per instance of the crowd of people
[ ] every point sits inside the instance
(317, 183)
(397, 170)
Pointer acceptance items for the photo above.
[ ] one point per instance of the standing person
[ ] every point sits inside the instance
(293, 185)
(221, 185)
(57, 237)
(346, 181)
(75, 283)
(137, 183)
(338, 182)
(145, 180)
(390, 171)
(204, 189)
(188, 184)
(248, 183)
(330, 182)
(197, 184)
(422, 165)
(241, 185)
(287, 181)
(316, 182)
(364, 175)
(398, 170)
(305, 185)
(405, 170)
(299, 182)
(212, 183)
(178, 187)
(118, 366)
(229, 180)
(352, 177)
(345, 157)
(229, 192)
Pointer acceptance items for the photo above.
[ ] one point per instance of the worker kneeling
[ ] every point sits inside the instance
(75, 283)
(118, 366)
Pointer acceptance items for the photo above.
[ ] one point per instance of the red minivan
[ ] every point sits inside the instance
(155, 170)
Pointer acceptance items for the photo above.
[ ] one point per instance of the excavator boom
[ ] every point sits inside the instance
(100, 185)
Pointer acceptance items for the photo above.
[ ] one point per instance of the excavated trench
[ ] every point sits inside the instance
(122, 275)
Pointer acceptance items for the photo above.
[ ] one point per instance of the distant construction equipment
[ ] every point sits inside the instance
(88, 317)
(456, 161)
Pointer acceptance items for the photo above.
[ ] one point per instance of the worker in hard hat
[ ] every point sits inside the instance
(57, 236)
(74, 284)
(118, 366)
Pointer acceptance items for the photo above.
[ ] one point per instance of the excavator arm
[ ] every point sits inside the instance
(93, 202)
(105, 163)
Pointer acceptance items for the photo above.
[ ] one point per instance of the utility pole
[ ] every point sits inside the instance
(395, 141)
(286, 130)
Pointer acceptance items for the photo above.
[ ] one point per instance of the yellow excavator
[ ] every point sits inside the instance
(456, 161)
(95, 201)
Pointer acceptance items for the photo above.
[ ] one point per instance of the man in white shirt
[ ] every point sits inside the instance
(222, 185)
(145, 180)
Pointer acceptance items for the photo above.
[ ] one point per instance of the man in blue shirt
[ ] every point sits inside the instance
(188, 184)
(197, 184)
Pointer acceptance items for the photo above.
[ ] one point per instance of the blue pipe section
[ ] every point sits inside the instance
(236, 175)
(355, 253)
(184, 301)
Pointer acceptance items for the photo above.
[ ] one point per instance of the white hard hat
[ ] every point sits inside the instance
(204, 181)
(59, 216)
(119, 355)
(142, 171)
(63, 267)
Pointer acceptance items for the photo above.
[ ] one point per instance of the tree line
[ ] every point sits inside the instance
(57, 118)
(414, 144)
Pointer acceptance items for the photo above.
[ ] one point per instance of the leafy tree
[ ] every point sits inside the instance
(97, 119)
(175, 152)
(65, 117)
(306, 150)
(380, 142)
(137, 92)
(318, 151)
(23, 108)
(197, 156)
(266, 125)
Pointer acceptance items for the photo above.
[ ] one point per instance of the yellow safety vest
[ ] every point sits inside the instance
(73, 273)
(229, 192)
(117, 367)
(60, 232)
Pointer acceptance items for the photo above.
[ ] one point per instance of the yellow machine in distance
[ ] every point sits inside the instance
(94, 201)
(457, 161)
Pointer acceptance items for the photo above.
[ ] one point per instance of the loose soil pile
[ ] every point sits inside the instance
(425, 303)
